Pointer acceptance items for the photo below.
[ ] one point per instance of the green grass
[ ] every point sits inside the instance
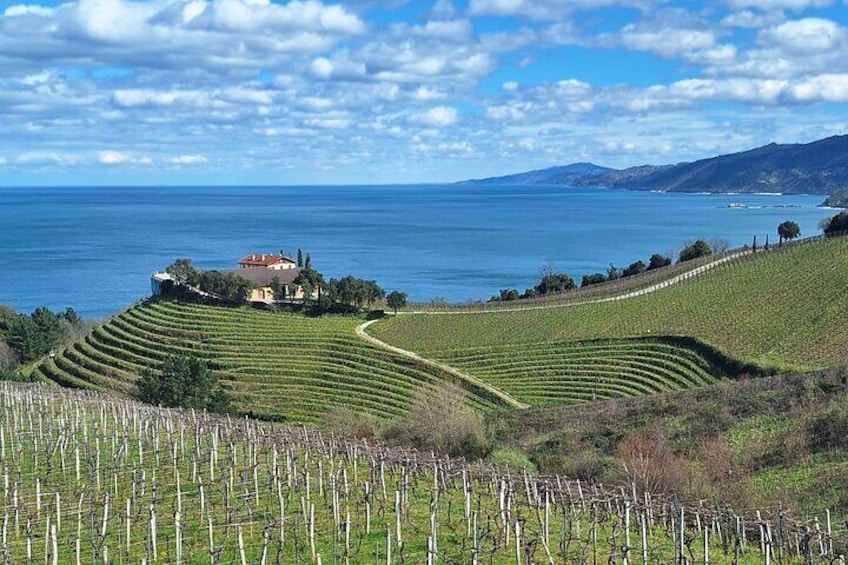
(780, 310)
(275, 365)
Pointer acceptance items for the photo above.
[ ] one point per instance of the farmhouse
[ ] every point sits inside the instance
(267, 261)
(262, 269)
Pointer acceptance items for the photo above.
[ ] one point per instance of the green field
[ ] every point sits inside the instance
(275, 365)
(780, 310)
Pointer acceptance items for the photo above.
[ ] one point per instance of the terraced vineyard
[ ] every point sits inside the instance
(567, 372)
(783, 309)
(279, 366)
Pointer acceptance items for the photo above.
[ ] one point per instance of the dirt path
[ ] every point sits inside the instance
(361, 329)
(508, 399)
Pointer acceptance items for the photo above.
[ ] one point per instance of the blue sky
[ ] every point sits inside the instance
(387, 91)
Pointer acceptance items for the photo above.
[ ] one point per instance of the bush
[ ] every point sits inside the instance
(594, 278)
(512, 458)
(346, 423)
(183, 381)
(634, 269)
(657, 261)
(837, 225)
(828, 429)
(698, 248)
(441, 421)
(648, 463)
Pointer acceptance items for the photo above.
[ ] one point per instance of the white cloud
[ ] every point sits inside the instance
(111, 157)
(425, 94)
(28, 10)
(449, 30)
(188, 160)
(751, 19)
(666, 42)
(2, 160)
(45, 158)
(509, 86)
(822, 88)
(440, 116)
(808, 35)
(770, 5)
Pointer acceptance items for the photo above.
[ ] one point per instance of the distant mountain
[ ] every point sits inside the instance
(820, 167)
(553, 175)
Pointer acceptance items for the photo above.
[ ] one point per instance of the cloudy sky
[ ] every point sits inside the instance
(385, 91)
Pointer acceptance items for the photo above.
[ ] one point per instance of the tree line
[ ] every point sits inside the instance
(25, 338)
(553, 282)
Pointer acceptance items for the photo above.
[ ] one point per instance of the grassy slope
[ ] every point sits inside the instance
(784, 309)
(751, 443)
(280, 366)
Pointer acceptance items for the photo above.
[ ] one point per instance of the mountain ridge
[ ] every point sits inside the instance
(820, 167)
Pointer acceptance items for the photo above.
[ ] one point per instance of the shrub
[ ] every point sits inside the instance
(512, 458)
(698, 248)
(837, 225)
(828, 429)
(634, 269)
(183, 381)
(346, 423)
(648, 463)
(441, 421)
(594, 278)
(657, 260)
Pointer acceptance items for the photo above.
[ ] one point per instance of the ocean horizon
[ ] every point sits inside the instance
(94, 248)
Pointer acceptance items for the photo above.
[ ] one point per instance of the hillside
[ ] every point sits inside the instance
(820, 167)
(552, 175)
(751, 443)
(781, 310)
(275, 365)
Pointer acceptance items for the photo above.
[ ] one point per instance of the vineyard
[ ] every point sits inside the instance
(780, 310)
(275, 365)
(566, 372)
(97, 479)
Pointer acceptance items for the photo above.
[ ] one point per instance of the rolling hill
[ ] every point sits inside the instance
(820, 167)
(780, 310)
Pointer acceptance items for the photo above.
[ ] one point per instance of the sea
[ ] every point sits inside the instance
(95, 248)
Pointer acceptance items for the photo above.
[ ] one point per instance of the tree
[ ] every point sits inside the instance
(183, 272)
(788, 230)
(278, 288)
(634, 269)
(506, 294)
(310, 281)
(698, 248)
(657, 260)
(299, 258)
(396, 300)
(613, 272)
(183, 381)
(35, 335)
(594, 278)
(553, 283)
(837, 225)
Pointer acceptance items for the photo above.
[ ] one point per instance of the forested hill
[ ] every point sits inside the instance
(820, 167)
(566, 174)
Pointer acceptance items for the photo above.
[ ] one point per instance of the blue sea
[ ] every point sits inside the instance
(95, 248)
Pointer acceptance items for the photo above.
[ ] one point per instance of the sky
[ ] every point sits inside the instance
(158, 92)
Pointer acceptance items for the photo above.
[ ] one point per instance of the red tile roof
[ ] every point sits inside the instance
(263, 260)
